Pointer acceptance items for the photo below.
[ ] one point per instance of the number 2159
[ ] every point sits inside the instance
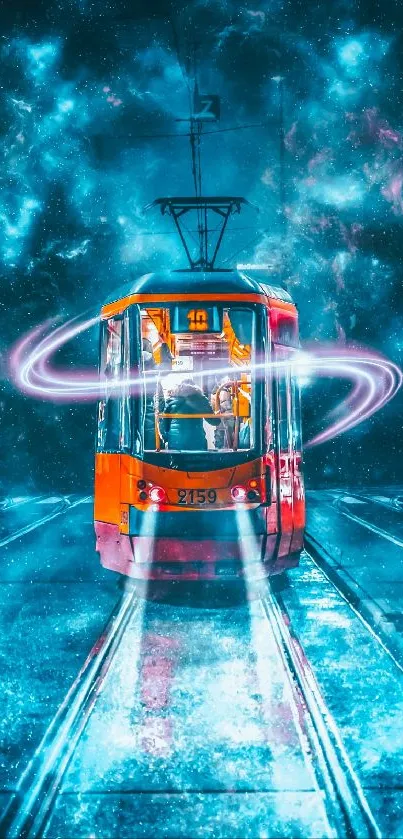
(197, 496)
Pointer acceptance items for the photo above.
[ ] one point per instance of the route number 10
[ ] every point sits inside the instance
(198, 320)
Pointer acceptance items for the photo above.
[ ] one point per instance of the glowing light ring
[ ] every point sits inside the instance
(374, 387)
(376, 379)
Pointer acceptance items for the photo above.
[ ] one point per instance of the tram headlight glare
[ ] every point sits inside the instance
(239, 493)
(157, 495)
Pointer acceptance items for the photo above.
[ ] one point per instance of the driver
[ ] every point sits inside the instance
(154, 396)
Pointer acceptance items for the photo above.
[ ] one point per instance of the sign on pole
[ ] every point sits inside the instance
(206, 106)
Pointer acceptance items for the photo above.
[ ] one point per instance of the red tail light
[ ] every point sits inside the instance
(254, 489)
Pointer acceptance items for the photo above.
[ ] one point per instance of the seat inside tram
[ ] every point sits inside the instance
(197, 367)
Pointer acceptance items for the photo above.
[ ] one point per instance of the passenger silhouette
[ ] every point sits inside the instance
(187, 433)
(224, 434)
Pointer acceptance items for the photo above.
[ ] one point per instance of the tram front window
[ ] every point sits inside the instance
(198, 378)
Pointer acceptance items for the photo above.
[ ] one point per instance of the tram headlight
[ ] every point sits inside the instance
(239, 493)
(157, 495)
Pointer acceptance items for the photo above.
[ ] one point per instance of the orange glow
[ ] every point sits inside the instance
(198, 320)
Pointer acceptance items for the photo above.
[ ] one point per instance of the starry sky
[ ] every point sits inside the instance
(94, 100)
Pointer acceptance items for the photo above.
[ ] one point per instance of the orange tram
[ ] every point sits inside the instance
(198, 471)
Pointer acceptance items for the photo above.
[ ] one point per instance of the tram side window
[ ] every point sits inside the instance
(283, 413)
(268, 419)
(284, 399)
(287, 332)
(114, 430)
(126, 415)
(296, 415)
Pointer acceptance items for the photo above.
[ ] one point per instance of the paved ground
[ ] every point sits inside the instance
(194, 734)
(359, 535)
(361, 685)
(54, 600)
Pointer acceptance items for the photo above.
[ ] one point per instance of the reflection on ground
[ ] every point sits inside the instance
(195, 731)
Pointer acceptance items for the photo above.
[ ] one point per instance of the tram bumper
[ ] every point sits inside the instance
(191, 545)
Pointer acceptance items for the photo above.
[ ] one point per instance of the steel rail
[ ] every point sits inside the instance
(373, 528)
(29, 809)
(346, 806)
(63, 506)
(371, 619)
(387, 503)
(11, 503)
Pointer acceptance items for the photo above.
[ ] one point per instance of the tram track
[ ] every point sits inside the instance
(347, 814)
(30, 806)
(359, 601)
(64, 506)
(10, 503)
(346, 805)
(373, 528)
(393, 503)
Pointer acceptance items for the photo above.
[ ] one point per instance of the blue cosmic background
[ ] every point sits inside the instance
(93, 98)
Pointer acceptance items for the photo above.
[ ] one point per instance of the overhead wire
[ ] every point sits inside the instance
(196, 129)
(176, 134)
(190, 231)
(195, 143)
(244, 247)
(184, 72)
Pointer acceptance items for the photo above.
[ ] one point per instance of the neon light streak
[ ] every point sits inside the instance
(375, 379)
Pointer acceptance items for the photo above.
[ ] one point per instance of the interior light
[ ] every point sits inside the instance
(239, 493)
(157, 494)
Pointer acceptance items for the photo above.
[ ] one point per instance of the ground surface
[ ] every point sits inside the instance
(54, 602)
(194, 733)
(359, 535)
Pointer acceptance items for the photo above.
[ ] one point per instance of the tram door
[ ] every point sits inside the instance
(114, 420)
(298, 491)
(284, 447)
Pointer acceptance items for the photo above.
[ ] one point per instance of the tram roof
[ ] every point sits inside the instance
(237, 281)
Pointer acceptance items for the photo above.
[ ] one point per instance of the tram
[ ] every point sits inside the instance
(198, 467)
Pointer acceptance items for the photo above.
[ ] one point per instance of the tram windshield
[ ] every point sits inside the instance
(197, 364)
